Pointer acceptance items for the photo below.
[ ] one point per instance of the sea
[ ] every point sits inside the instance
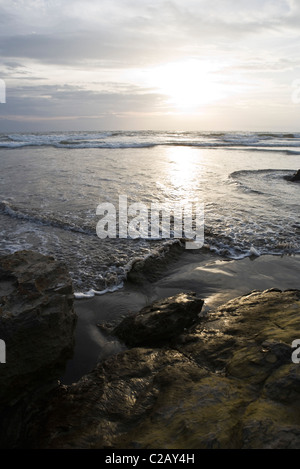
(52, 183)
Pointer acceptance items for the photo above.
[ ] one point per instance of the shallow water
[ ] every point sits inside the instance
(50, 189)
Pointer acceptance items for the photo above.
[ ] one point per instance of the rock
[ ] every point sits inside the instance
(231, 384)
(295, 177)
(37, 322)
(157, 324)
(223, 380)
(111, 401)
(154, 265)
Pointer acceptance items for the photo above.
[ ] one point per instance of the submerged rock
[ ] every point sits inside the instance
(230, 384)
(37, 323)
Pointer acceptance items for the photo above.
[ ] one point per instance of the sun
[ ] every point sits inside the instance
(188, 85)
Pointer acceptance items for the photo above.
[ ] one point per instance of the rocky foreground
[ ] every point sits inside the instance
(188, 379)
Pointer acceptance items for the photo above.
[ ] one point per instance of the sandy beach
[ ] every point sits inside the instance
(214, 280)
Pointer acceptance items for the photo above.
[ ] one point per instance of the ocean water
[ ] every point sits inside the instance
(52, 183)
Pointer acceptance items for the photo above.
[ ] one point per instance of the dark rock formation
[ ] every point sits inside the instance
(154, 266)
(37, 323)
(295, 177)
(161, 322)
(228, 383)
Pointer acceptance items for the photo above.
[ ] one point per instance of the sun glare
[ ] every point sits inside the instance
(183, 171)
(188, 85)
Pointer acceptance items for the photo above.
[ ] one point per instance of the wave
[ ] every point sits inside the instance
(266, 172)
(12, 211)
(140, 269)
(5, 138)
(120, 145)
(266, 182)
(152, 266)
(261, 174)
(76, 145)
(148, 139)
(91, 293)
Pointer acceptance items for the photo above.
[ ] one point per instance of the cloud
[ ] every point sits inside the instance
(50, 101)
(68, 58)
(132, 32)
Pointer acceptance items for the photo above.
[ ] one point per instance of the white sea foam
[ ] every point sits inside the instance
(254, 252)
(91, 293)
(119, 140)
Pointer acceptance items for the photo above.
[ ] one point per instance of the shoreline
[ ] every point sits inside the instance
(214, 280)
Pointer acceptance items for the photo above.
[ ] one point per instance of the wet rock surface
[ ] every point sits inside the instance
(161, 322)
(228, 382)
(189, 379)
(37, 322)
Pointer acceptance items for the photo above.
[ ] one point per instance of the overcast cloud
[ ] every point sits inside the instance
(97, 63)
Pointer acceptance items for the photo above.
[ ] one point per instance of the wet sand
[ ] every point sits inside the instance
(214, 280)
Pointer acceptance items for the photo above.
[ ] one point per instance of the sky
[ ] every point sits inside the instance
(209, 65)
